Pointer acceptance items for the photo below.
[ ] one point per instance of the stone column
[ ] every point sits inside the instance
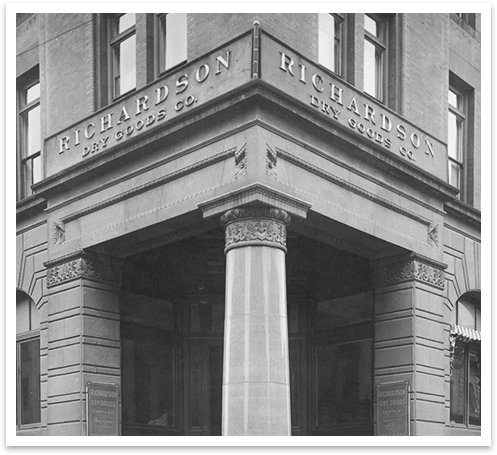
(410, 339)
(83, 335)
(256, 381)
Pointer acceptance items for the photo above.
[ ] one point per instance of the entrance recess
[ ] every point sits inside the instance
(173, 331)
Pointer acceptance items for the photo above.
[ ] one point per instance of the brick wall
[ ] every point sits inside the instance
(424, 72)
(66, 69)
(297, 30)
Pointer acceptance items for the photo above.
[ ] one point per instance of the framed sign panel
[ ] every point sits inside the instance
(102, 409)
(392, 409)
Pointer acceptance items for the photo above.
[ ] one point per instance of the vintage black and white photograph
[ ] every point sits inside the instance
(248, 224)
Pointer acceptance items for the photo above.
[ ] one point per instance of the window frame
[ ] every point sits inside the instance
(464, 113)
(469, 347)
(115, 39)
(339, 69)
(161, 44)
(25, 83)
(381, 43)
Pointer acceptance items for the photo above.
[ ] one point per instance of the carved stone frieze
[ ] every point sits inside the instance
(255, 226)
(84, 265)
(409, 268)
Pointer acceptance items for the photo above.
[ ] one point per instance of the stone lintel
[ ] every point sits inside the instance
(409, 267)
(83, 264)
(255, 194)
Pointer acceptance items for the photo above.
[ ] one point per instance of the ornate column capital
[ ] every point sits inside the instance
(84, 264)
(254, 226)
(409, 268)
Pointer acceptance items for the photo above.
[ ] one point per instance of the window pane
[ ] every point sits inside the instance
(33, 93)
(370, 67)
(371, 25)
(474, 387)
(175, 39)
(457, 385)
(454, 174)
(149, 383)
(329, 42)
(33, 131)
(466, 314)
(126, 21)
(344, 383)
(30, 382)
(454, 141)
(36, 177)
(478, 319)
(453, 98)
(125, 61)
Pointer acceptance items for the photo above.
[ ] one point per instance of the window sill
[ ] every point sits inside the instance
(29, 426)
(122, 95)
(173, 68)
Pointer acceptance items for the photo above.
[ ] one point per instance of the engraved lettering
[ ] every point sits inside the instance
(64, 144)
(182, 83)
(315, 78)
(221, 61)
(141, 103)
(286, 63)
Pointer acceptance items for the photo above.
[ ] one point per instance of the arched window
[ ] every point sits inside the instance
(465, 379)
(28, 361)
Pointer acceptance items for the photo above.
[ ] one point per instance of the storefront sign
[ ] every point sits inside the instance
(102, 403)
(344, 105)
(392, 409)
(155, 105)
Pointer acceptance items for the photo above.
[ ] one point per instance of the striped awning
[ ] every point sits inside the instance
(464, 333)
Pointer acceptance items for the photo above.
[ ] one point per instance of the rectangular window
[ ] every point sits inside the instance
(29, 133)
(172, 40)
(122, 28)
(375, 52)
(458, 136)
(29, 380)
(465, 380)
(465, 385)
(331, 42)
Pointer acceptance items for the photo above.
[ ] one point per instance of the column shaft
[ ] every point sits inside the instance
(256, 386)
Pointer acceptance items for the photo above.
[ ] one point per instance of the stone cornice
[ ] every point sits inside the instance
(407, 268)
(83, 265)
(462, 210)
(150, 185)
(30, 205)
(255, 226)
(350, 186)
